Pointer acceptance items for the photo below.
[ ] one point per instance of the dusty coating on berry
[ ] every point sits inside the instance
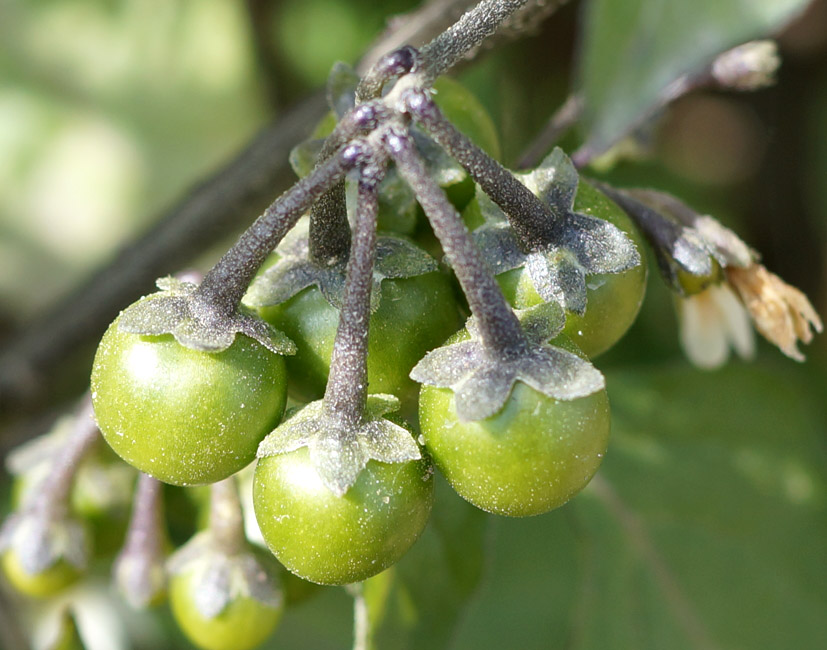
(482, 380)
(334, 540)
(613, 300)
(244, 621)
(530, 457)
(184, 416)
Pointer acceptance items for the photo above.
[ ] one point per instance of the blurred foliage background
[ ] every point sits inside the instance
(707, 526)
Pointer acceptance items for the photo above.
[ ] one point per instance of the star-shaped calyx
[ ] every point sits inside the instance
(41, 540)
(573, 246)
(482, 379)
(176, 310)
(219, 578)
(339, 449)
(295, 271)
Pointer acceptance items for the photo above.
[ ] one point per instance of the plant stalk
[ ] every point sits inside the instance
(145, 535)
(226, 519)
(52, 499)
(362, 636)
(329, 235)
(473, 27)
(530, 218)
(347, 386)
(224, 285)
(498, 326)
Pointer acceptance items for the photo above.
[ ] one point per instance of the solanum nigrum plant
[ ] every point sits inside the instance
(348, 296)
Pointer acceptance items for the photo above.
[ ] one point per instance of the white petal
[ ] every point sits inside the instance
(736, 321)
(702, 336)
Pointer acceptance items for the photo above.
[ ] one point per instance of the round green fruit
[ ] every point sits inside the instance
(184, 416)
(45, 584)
(335, 540)
(243, 624)
(528, 458)
(613, 299)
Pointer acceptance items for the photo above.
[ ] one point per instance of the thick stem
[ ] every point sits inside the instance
(139, 567)
(391, 65)
(225, 284)
(53, 496)
(530, 218)
(329, 236)
(347, 385)
(498, 326)
(226, 519)
(477, 24)
(145, 535)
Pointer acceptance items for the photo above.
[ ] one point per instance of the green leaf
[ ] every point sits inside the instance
(633, 49)
(704, 528)
(418, 602)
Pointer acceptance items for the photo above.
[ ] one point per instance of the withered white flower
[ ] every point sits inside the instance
(712, 323)
(781, 313)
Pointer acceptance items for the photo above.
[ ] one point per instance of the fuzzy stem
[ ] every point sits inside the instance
(473, 27)
(347, 385)
(226, 520)
(329, 236)
(145, 535)
(141, 559)
(391, 65)
(225, 284)
(498, 326)
(530, 218)
(52, 499)
(660, 230)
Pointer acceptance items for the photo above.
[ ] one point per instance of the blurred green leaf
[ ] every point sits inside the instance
(633, 49)
(417, 603)
(704, 528)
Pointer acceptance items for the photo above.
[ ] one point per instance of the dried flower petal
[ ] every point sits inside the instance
(781, 313)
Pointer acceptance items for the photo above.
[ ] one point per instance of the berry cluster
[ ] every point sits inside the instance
(354, 316)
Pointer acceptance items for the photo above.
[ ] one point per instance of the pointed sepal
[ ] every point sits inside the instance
(339, 450)
(576, 246)
(218, 579)
(482, 381)
(173, 310)
(41, 541)
(295, 271)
